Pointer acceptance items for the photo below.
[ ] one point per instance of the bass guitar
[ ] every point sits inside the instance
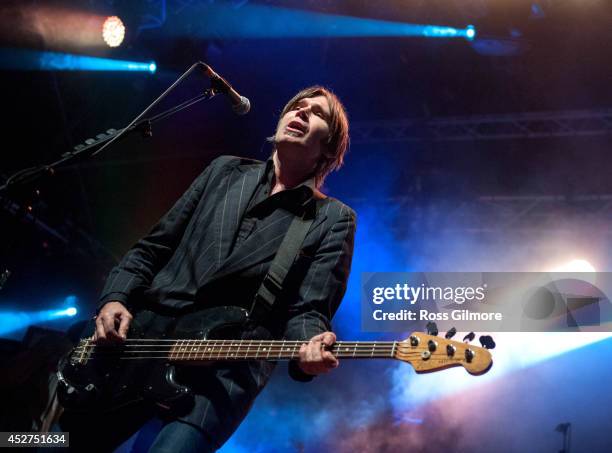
(143, 367)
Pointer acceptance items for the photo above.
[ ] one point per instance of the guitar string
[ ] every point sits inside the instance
(189, 347)
(177, 355)
(245, 343)
(271, 357)
(242, 348)
(213, 348)
(461, 362)
(241, 345)
(221, 340)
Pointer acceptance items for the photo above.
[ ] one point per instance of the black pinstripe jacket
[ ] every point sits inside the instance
(186, 260)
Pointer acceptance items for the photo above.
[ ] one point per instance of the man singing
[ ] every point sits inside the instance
(214, 247)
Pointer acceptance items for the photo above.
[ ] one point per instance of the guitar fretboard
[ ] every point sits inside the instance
(207, 350)
(272, 350)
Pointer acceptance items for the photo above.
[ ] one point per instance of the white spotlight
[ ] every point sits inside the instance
(113, 31)
(575, 266)
(470, 32)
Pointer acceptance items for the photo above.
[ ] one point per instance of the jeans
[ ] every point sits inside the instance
(107, 434)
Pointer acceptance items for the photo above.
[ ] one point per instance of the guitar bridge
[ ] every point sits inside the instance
(82, 353)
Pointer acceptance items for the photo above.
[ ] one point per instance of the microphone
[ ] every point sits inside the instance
(240, 104)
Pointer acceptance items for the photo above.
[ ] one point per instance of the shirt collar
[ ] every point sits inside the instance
(269, 173)
(295, 199)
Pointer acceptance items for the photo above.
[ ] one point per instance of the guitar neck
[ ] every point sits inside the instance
(198, 350)
(426, 353)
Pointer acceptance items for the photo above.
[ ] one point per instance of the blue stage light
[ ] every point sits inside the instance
(13, 321)
(261, 21)
(71, 311)
(470, 32)
(30, 60)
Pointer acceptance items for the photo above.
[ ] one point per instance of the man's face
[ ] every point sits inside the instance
(303, 131)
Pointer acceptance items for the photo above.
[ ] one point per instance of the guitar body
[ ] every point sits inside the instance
(104, 378)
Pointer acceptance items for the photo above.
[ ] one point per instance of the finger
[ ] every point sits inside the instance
(319, 337)
(328, 338)
(303, 352)
(330, 360)
(100, 335)
(126, 319)
(314, 351)
(108, 322)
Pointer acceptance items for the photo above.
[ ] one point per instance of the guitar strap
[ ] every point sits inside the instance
(272, 284)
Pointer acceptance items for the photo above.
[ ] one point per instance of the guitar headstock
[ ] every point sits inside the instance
(429, 353)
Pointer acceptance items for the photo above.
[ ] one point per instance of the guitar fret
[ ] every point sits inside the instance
(289, 351)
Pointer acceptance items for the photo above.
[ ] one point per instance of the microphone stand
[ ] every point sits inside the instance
(138, 124)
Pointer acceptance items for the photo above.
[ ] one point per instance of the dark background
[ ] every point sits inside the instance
(514, 192)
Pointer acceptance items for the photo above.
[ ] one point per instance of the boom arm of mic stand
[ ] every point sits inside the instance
(137, 124)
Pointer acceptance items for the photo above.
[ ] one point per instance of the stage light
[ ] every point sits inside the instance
(71, 311)
(223, 21)
(470, 32)
(113, 31)
(575, 266)
(514, 352)
(57, 27)
(13, 320)
(29, 60)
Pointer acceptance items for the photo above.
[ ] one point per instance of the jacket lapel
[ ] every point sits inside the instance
(236, 193)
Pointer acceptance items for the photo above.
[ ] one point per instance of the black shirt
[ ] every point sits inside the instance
(263, 205)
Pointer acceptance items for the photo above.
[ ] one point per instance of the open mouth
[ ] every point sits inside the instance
(297, 126)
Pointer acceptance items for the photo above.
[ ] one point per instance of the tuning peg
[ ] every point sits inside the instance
(451, 333)
(487, 341)
(432, 328)
(469, 337)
